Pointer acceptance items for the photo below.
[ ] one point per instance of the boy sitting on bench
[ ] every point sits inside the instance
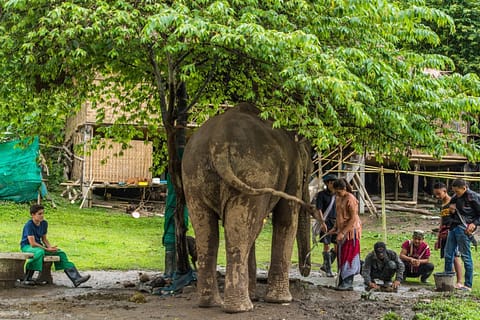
(34, 240)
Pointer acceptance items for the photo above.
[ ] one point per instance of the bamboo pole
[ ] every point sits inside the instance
(384, 214)
(364, 194)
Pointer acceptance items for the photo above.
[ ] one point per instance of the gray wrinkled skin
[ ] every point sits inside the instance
(225, 163)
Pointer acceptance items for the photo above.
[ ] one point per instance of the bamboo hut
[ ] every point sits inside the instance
(111, 165)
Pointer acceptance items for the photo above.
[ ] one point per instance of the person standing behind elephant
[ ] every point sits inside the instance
(349, 230)
(169, 237)
(325, 202)
(440, 192)
(465, 213)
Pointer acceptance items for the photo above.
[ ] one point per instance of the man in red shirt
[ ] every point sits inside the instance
(415, 256)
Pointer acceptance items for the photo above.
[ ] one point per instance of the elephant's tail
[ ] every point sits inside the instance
(221, 162)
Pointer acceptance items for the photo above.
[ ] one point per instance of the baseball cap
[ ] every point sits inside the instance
(329, 177)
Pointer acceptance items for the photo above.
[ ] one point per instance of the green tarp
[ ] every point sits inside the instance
(20, 174)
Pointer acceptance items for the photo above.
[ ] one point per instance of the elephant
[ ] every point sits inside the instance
(237, 169)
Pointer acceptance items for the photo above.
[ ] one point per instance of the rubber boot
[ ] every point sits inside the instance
(28, 279)
(346, 285)
(75, 277)
(169, 264)
(327, 266)
(333, 256)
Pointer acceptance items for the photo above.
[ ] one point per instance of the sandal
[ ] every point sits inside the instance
(465, 288)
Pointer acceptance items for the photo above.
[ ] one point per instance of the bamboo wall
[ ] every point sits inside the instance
(88, 115)
(102, 165)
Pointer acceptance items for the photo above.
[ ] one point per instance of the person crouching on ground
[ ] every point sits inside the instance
(382, 264)
(348, 228)
(415, 255)
(34, 240)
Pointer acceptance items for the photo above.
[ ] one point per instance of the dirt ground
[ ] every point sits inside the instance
(115, 295)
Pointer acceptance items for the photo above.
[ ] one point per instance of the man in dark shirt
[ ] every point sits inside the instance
(382, 264)
(465, 217)
(325, 202)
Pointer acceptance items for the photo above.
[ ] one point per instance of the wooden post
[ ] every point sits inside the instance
(87, 195)
(384, 214)
(448, 180)
(415, 183)
(397, 180)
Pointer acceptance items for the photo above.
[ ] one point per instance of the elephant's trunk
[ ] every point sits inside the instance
(303, 230)
(303, 242)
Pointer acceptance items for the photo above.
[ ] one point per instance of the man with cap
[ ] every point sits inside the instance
(382, 264)
(465, 213)
(415, 256)
(326, 204)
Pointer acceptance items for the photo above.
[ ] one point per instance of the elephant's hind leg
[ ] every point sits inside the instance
(284, 222)
(243, 222)
(236, 297)
(205, 224)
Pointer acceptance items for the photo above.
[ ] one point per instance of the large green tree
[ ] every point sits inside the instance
(332, 70)
(463, 45)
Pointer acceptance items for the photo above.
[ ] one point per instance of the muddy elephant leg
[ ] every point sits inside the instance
(284, 222)
(241, 229)
(205, 224)
(252, 274)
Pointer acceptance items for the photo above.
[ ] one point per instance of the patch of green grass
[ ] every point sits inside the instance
(448, 307)
(104, 239)
(93, 238)
(392, 316)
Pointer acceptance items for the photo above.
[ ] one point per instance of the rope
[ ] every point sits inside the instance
(469, 176)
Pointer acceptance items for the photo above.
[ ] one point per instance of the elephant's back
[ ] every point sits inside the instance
(239, 137)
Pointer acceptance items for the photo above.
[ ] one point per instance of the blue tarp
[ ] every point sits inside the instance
(20, 173)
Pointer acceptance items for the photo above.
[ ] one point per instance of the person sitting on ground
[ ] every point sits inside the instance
(382, 264)
(34, 240)
(415, 255)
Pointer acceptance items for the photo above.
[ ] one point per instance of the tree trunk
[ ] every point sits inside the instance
(175, 169)
(175, 129)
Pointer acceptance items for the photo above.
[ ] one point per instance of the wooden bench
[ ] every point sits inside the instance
(46, 274)
(11, 268)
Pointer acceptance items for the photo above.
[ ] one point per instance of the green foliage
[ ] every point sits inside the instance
(462, 45)
(333, 70)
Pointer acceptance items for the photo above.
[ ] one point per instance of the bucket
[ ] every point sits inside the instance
(444, 281)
